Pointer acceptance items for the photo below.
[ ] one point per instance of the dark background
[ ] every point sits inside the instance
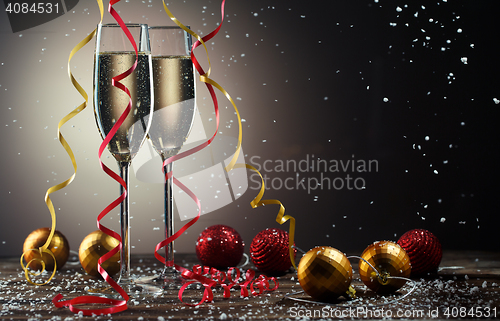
(431, 93)
(300, 72)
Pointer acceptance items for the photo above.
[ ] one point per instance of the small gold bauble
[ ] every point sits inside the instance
(389, 259)
(95, 245)
(324, 273)
(59, 246)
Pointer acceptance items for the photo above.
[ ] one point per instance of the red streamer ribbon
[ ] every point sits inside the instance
(210, 277)
(116, 305)
(189, 152)
(198, 273)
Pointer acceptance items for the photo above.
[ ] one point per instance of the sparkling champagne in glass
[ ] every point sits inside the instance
(174, 107)
(114, 54)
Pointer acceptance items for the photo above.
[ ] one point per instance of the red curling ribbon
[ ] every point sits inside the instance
(190, 151)
(181, 230)
(260, 285)
(197, 276)
(227, 287)
(211, 277)
(249, 275)
(194, 149)
(204, 77)
(115, 304)
(262, 282)
(209, 86)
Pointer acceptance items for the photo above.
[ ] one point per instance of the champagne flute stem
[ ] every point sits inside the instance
(125, 226)
(169, 221)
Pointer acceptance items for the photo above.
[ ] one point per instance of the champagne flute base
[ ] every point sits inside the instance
(169, 279)
(132, 289)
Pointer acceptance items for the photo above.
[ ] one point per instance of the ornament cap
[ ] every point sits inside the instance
(389, 259)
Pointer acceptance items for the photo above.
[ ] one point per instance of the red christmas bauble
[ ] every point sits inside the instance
(269, 251)
(220, 246)
(424, 250)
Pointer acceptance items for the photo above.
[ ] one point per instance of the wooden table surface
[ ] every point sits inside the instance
(467, 285)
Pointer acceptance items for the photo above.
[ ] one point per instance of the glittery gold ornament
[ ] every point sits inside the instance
(95, 245)
(59, 246)
(324, 273)
(389, 259)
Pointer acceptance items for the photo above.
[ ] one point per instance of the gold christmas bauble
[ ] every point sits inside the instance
(59, 246)
(95, 245)
(324, 273)
(389, 259)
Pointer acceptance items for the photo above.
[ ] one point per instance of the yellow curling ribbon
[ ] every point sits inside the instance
(64, 143)
(257, 201)
(281, 218)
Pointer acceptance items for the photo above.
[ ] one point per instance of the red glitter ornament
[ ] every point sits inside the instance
(424, 250)
(269, 251)
(220, 246)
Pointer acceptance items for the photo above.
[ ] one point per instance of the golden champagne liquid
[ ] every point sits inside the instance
(174, 103)
(110, 102)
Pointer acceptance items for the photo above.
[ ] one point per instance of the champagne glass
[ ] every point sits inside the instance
(114, 54)
(174, 107)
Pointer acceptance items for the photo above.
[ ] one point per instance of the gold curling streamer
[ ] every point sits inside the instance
(257, 201)
(281, 218)
(67, 148)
